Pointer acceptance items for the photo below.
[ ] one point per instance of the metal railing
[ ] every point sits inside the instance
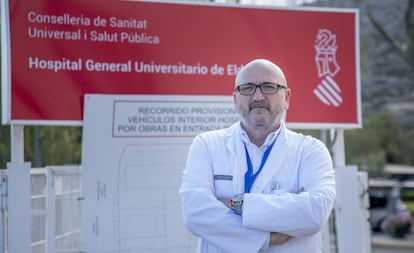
(55, 209)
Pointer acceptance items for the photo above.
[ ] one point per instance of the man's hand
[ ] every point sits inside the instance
(227, 202)
(277, 238)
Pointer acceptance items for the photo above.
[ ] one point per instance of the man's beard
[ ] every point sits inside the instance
(260, 122)
(256, 120)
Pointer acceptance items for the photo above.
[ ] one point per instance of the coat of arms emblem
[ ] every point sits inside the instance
(328, 91)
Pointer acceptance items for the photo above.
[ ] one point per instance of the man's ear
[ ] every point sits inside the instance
(234, 102)
(288, 94)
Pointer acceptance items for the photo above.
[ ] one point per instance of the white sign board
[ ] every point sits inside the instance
(134, 152)
(146, 118)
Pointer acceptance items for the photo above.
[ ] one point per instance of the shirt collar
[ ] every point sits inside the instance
(269, 139)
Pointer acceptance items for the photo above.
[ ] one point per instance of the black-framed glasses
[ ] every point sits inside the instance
(265, 88)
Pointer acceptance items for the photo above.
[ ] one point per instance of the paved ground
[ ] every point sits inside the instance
(382, 243)
(390, 250)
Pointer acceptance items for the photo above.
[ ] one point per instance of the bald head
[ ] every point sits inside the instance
(260, 71)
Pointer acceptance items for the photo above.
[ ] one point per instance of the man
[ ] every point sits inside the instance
(257, 186)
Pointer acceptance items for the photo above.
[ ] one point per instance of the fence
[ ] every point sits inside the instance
(55, 209)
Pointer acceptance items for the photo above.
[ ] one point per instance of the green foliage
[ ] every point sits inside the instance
(57, 145)
(410, 206)
(4, 146)
(408, 197)
(380, 141)
(398, 226)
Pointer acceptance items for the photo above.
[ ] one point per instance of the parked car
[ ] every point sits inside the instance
(384, 203)
(380, 208)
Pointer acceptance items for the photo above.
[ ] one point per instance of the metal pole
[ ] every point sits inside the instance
(351, 222)
(338, 147)
(18, 214)
(17, 143)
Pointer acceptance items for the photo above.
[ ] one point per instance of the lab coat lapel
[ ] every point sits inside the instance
(273, 163)
(235, 149)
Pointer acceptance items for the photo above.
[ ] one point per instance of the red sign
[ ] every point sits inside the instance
(60, 51)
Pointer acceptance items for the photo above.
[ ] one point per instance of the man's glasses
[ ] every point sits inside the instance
(265, 88)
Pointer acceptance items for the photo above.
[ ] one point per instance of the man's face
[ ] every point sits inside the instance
(259, 109)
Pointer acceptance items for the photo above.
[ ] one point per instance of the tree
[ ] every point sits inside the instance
(58, 145)
(4, 146)
(404, 50)
(381, 141)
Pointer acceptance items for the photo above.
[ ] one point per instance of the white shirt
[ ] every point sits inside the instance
(256, 153)
(215, 169)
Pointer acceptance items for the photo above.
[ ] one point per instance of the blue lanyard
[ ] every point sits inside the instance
(249, 177)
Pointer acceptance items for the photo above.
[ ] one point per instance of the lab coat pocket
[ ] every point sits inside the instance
(223, 185)
(276, 187)
(272, 187)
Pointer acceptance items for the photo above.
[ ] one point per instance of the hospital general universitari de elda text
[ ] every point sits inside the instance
(65, 64)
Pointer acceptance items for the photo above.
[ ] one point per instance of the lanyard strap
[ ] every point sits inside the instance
(249, 177)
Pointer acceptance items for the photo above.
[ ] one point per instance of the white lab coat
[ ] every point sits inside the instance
(215, 169)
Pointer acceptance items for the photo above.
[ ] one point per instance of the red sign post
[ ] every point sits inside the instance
(56, 53)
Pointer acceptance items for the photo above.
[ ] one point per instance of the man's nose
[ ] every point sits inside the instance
(258, 94)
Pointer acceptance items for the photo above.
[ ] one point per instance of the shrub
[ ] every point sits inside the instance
(399, 226)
